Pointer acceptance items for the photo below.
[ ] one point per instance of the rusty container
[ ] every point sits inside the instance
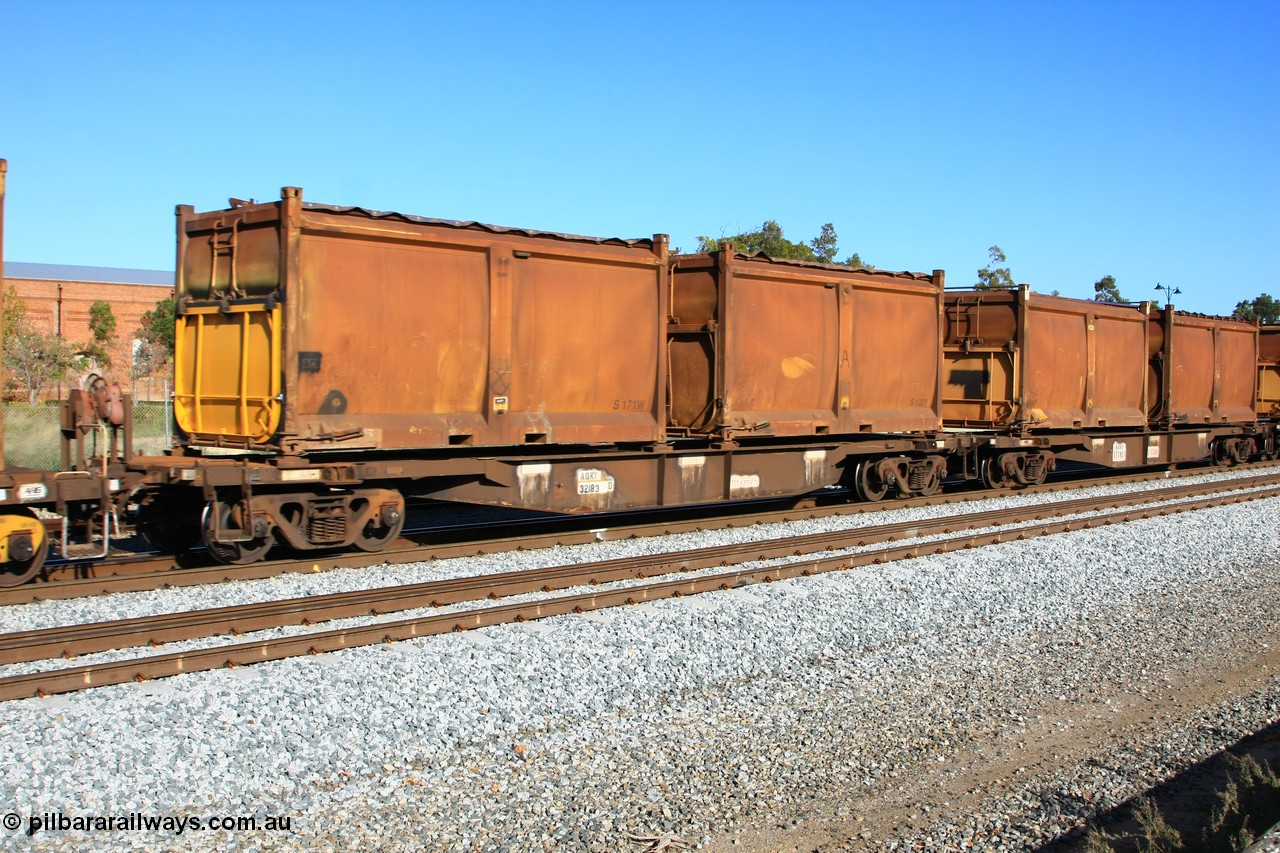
(764, 347)
(1017, 359)
(1203, 369)
(307, 327)
(1268, 400)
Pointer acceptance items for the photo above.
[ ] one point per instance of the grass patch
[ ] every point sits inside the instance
(1248, 805)
(33, 434)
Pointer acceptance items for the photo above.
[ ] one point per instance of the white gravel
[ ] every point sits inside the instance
(697, 716)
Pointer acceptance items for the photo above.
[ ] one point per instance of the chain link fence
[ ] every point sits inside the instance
(32, 434)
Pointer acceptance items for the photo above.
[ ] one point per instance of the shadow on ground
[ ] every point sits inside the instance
(1187, 803)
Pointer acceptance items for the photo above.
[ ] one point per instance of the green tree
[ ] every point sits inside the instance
(825, 244)
(992, 277)
(153, 349)
(35, 358)
(158, 325)
(14, 310)
(1262, 309)
(770, 240)
(1105, 290)
(102, 324)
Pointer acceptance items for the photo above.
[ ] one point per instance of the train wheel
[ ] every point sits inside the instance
(25, 552)
(230, 517)
(1222, 453)
(381, 530)
(931, 485)
(171, 524)
(868, 484)
(992, 473)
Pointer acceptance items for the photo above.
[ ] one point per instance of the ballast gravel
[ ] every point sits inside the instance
(47, 614)
(711, 719)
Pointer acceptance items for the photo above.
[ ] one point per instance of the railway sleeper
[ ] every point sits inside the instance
(243, 529)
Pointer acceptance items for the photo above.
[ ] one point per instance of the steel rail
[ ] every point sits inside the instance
(81, 677)
(74, 640)
(166, 572)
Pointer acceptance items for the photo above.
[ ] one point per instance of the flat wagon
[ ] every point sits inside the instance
(346, 359)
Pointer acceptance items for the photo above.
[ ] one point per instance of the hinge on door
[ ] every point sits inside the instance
(222, 244)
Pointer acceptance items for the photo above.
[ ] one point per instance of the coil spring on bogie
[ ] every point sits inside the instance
(327, 527)
(919, 477)
(1034, 464)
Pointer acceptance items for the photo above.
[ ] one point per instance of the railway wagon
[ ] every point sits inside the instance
(790, 348)
(75, 508)
(1039, 370)
(1015, 358)
(762, 347)
(366, 356)
(1115, 385)
(344, 359)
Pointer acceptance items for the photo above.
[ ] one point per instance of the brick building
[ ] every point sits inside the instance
(58, 298)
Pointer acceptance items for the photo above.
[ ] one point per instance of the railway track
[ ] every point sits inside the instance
(979, 528)
(137, 573)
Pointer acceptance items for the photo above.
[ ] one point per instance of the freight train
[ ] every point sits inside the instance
(333, 362)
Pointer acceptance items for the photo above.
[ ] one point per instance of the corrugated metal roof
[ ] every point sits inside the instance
(477, 226)
(70, 272)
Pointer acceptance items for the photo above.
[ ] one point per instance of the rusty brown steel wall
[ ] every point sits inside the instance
(766, 347)
(1237, 391)
(1118, 396)
(1043, 361)
(1268, 401)
(1084, 363)
(980, 383)
(407, 333)
(1206, 369)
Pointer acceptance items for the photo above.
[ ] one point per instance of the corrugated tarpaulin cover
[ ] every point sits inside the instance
(475, 226)
(761, 256)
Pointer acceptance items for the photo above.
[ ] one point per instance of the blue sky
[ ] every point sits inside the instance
(1140, 140)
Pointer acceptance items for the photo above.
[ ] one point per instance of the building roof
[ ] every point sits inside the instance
(70, 272)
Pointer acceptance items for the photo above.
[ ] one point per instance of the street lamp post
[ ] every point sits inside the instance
(1169, 292)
